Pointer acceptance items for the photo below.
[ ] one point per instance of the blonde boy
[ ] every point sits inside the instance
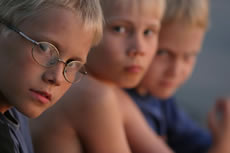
(97, 116)
(43, 47)
(180, 39)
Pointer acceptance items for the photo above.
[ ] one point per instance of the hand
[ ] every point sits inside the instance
(219, 121)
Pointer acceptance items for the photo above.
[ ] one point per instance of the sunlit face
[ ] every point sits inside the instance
(179, 45)
(129, 42)
(28, 86)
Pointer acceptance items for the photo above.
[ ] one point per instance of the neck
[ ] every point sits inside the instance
(142, 91)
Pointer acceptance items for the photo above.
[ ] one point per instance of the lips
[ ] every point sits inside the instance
(41, 96)
(167, 84)
(133, 69)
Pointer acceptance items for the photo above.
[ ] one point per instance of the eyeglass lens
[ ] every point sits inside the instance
(47, 55)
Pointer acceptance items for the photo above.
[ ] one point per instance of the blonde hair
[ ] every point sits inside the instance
(15, 11)
(156, 6)
(193, 12)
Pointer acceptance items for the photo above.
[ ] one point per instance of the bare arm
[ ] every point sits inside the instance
(141, 137)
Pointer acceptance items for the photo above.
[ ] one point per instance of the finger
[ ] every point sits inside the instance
(212, 121)
(223, 108)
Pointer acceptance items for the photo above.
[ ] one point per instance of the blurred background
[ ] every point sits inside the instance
(211, 77)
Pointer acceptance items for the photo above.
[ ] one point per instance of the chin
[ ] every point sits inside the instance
(129, 84)
(33, 114)
(163, 95)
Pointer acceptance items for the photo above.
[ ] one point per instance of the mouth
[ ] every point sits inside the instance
(133, 69)
(41, 96)
(167, 84)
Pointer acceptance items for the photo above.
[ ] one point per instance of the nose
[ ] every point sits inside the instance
(54, 75)
(136, 46)
(175, 68)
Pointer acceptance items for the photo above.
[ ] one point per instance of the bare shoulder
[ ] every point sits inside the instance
(97, 119)
(88, 104)
(52, 132)
(127, 105)
(86, 101)
(87, 92)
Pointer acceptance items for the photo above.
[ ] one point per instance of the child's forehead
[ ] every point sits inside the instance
(126, 6)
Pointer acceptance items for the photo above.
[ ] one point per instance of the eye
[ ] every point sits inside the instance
(162, 52)
(148, 32)
(83, 70)
(52, 61)
(119, 29)
(71, 64)
(190, 56)
(44, 47)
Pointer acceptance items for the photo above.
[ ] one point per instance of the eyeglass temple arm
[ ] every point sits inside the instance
(18, 31)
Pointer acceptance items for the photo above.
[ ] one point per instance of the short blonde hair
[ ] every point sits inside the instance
(194, 12)
(156, 6)
(15, 11)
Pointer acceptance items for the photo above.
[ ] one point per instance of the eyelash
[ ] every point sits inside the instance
(70, 60)
(119, 29)
(162, 52)
(123, 30)
(149, 32)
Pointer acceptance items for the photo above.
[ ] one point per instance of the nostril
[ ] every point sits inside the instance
(135, 52)
(53, 76)
(52, 81)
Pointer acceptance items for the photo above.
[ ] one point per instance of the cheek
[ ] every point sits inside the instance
(114, 45)
(100, 60)
(159, 68)
(154, 46)
(149, 58)
(29, 69)
(23, 68)
(112, 55)
(187, 72)
(105, 51)
(61, 91)
(151, 46)
(152, 77)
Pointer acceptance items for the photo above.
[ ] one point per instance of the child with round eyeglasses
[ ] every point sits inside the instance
(40, 59)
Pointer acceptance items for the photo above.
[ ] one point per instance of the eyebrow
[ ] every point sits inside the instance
(124, 19)
(56, 44)
(77, 59)
(25, 36)
(172, 52)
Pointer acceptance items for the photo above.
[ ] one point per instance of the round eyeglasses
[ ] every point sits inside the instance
(47, 55)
